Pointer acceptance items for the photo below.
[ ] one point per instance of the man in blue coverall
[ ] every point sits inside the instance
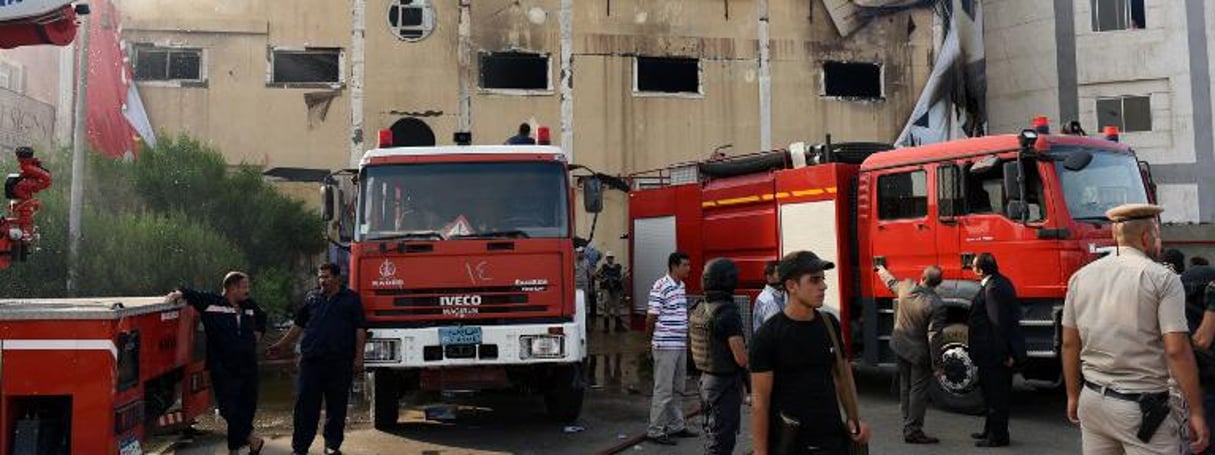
(334, 331)
(233, 325)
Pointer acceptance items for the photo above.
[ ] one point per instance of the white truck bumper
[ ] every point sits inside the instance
(521, 344)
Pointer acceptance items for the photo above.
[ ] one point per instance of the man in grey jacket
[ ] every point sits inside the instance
(917, 301)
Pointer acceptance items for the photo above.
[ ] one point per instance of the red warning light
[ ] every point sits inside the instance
(1042, 124)
(543, 137)
(385, 138)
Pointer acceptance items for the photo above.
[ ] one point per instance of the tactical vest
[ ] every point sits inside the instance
(708, 353)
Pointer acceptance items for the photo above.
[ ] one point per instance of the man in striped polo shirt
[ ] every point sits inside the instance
(667, 324)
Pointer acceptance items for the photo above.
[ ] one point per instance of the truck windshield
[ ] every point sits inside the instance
(463, 200)
(1110, 180)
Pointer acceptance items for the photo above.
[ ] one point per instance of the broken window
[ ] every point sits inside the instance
(308, 66)
(514, 71)
(852, 79)
(155, 63)
(1118, 15)
(1128, 113)
(667, 75)
(411, 20)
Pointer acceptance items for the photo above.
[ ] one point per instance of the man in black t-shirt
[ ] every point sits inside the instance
(717, 348)
(792, 362)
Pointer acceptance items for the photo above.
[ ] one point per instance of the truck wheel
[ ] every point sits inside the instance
(958, 389)
(385, 399)
(564, 395)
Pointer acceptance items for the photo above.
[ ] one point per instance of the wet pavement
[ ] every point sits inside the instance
(615, 413)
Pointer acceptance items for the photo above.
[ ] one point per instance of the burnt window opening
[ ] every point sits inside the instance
(852, 80)
(411, 20)
(514, 71)
(153, 63)
(411, 132)
(309, 66)
(667, 75)
(1118, 15)
(1128, 113)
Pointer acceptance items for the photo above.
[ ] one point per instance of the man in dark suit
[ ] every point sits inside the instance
(996, 345)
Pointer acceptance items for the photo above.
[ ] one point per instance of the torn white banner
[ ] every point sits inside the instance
(953, 103)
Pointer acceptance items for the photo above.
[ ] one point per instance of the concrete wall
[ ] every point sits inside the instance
(1032, 71)
(1022, 72)
(235, 110)
(615, 130)
(29, 109)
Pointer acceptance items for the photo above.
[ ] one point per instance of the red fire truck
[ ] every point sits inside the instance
(463, 258)
(89, 375)
(1034, 200)
(97, 375)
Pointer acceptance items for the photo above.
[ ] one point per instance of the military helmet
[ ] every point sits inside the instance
(720, 274)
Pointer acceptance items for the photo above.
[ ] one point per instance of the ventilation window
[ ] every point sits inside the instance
(411, 20)
(514, 71)
(671, 75)
(852, 80)
(1118, 15)
(12, 77)
(308, 66)
(1128, 113)
(155, 63)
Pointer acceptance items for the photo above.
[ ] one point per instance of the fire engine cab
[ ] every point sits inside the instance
(463, 258)
(1034, 200)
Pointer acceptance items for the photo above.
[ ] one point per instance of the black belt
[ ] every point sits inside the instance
(1120, 395)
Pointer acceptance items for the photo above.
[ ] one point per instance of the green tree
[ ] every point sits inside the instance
(178, 215)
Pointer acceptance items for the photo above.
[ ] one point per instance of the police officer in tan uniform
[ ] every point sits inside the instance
(1124, 337)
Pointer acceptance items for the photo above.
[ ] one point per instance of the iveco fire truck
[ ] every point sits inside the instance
(463, 258)
(1034, 200)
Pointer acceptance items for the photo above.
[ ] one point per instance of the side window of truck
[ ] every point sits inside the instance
(984, 190)
(903, 195)
(949, 191)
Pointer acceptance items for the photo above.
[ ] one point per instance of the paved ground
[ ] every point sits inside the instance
(617, 411)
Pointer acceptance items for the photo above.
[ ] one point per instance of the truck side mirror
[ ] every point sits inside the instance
(1017, 210)
(1078, 160)
(1012, 178)
(327, 205)
(592, 194)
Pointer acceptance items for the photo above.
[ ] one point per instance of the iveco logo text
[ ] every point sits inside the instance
(9, 2)
(388, 273)
(532, 285)
(460, 305)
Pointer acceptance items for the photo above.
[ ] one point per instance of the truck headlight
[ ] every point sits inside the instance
(383, 350)
(542, 346)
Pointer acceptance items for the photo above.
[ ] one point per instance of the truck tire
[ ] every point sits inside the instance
(385, 399)
(958, 389)
(564, 395)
